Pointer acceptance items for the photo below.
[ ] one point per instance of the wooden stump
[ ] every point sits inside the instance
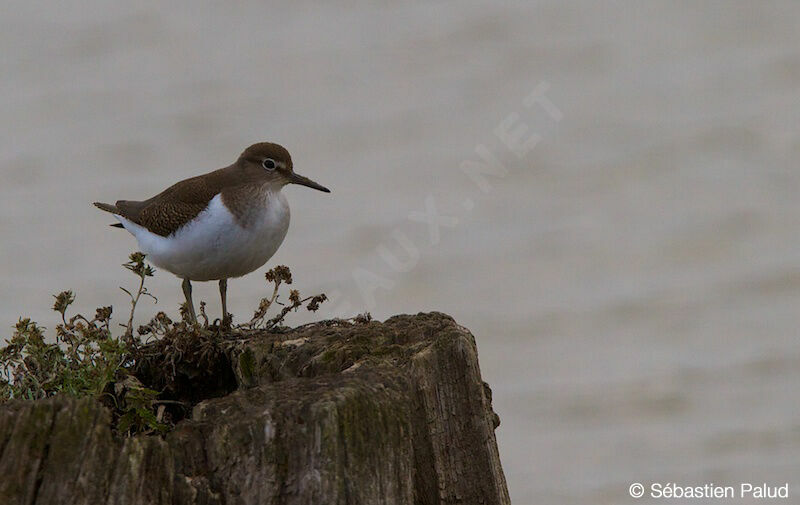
(339, 413)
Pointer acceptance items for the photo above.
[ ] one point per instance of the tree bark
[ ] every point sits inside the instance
(329, 413)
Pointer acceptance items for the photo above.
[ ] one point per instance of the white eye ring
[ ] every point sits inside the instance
(268, 164)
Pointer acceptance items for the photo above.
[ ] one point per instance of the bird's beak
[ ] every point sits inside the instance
(305, 181)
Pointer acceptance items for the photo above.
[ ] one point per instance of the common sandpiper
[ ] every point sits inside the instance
(216, 226)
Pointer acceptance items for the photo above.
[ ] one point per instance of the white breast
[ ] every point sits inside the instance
(214, 245)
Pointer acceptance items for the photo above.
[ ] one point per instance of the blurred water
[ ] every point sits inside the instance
(632, 282)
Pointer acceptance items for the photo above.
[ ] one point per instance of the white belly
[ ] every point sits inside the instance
(214, 245)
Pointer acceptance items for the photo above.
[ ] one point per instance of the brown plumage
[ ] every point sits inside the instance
(168, 211)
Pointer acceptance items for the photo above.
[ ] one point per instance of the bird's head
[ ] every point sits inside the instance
(271, 163)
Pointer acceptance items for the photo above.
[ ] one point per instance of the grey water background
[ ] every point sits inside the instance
(632, 282)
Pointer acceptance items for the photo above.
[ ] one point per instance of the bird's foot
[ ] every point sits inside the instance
(227, 321)
(187, 314)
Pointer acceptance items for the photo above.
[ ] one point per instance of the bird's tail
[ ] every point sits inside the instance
(109, 208)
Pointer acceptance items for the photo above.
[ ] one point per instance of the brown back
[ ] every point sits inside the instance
(168, 211)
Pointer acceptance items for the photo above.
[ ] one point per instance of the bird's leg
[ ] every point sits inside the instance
(187, 292)
(223, 294)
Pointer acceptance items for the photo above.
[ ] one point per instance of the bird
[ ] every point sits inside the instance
(216, 226)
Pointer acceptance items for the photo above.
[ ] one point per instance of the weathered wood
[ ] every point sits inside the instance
(369, 413)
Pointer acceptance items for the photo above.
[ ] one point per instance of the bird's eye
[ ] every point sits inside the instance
(269, 164)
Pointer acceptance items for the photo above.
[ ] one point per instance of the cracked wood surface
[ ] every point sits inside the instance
(373, 413)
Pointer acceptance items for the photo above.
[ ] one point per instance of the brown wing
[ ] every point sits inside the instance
(168, 211)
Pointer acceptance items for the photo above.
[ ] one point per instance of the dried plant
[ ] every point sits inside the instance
(278, 275)
(142, 270)
(85, 360)
(128, 376)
